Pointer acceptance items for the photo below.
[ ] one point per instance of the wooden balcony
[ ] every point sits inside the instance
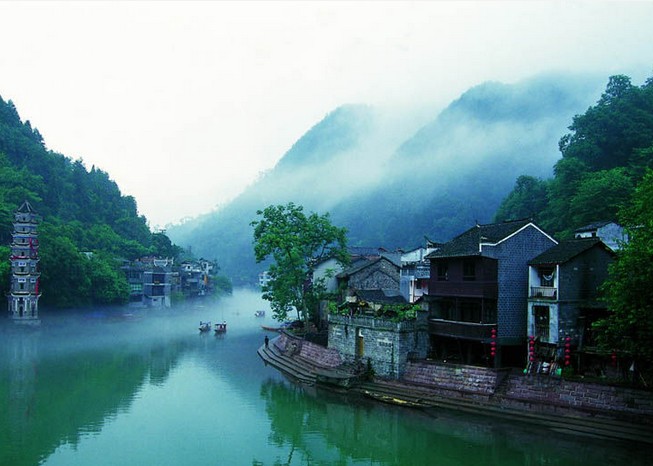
(544, 292)
(467, 289)
(464, 330)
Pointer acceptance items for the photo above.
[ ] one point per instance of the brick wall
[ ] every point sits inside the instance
(542, 394)
(547, 394)
(470, 379)
(317, 354)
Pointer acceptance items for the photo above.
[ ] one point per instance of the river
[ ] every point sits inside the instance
(141, 387)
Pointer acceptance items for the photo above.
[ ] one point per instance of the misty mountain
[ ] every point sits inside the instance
(391, 184)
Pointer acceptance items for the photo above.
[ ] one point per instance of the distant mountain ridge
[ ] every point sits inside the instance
(392, 189)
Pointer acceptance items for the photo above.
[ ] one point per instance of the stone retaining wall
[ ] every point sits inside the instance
(316, 354)
(588, 397)
(471, 379)
(534, 393)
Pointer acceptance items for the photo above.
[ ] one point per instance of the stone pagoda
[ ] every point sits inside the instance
(24, 292)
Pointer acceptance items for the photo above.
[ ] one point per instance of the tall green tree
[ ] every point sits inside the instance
(600, 195)
(629, 327)
(296, 243)
(528, 199)
(604, 156)
(108, 283)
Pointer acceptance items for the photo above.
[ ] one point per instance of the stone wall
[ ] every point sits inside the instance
(387, 345)
(533, 393)
(470, 379)
(543, 393)
(316, 354)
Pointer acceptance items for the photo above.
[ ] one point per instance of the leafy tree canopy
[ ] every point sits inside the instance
(604, 157)
(296, 243)
(83, 211)
(628, 291)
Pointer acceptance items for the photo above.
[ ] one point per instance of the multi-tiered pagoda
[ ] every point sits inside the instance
(24, 293)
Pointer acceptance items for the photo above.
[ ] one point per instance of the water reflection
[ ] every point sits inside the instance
(64, 380)
(135, 388)
(322, 427)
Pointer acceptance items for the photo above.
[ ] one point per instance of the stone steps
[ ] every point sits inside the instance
(433, 398)
(289, 366)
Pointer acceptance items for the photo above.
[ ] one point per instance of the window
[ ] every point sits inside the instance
(490, 312)
(443, 271)
(469, 270)
(541, 314)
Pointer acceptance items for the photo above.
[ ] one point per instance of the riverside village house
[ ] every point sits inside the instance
(490, 292)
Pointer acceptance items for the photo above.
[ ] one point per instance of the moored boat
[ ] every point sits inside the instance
(204, 326)
(270, 328)
(259, 313)
(221, 328)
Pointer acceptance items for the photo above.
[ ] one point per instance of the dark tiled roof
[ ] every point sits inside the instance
(363, 263)
(593, 226)
(26, 207)
(381, 296)
(467, 244)
(567, 250)
(360, 251)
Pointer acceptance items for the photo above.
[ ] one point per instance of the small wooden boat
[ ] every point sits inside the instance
(204, 326)
(284, 325)
(221, 328)
(394, 400)
(259, 313)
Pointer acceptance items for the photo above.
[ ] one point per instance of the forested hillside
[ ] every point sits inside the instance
(391, 185)
(604, 157)
(82, 210)
(605, 175)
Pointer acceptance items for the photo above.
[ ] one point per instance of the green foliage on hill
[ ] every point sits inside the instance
(628, 329)
(605, 174)
(392, 178)
(83, 211)
(604, 158)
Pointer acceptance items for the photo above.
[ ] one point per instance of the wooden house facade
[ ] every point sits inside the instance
(478, 290)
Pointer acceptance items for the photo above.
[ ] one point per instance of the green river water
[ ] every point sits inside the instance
(136, 387)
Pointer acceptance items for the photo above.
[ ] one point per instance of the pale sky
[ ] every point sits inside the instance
(184, 104)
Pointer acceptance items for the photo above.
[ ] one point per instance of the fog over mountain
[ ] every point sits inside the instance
(392, 181)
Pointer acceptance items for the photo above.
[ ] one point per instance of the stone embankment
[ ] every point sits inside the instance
(605, 411)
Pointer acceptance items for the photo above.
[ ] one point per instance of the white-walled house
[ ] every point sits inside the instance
(612, 234)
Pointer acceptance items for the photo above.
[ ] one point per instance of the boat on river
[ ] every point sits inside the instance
(221, 328)
(259, 313)
(284, 325)
(204, 326)
(269, 328)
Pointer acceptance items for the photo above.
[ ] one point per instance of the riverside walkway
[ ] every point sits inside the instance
(415, 396)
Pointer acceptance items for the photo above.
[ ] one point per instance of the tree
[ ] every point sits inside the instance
(108, 283)
(628, 329)
(64, 274)
(527, 200)
(296, 242)
(600, 195)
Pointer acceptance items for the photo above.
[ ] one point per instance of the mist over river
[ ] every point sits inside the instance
(142, 387)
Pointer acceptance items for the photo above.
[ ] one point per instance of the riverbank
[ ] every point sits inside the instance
(553, 403)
